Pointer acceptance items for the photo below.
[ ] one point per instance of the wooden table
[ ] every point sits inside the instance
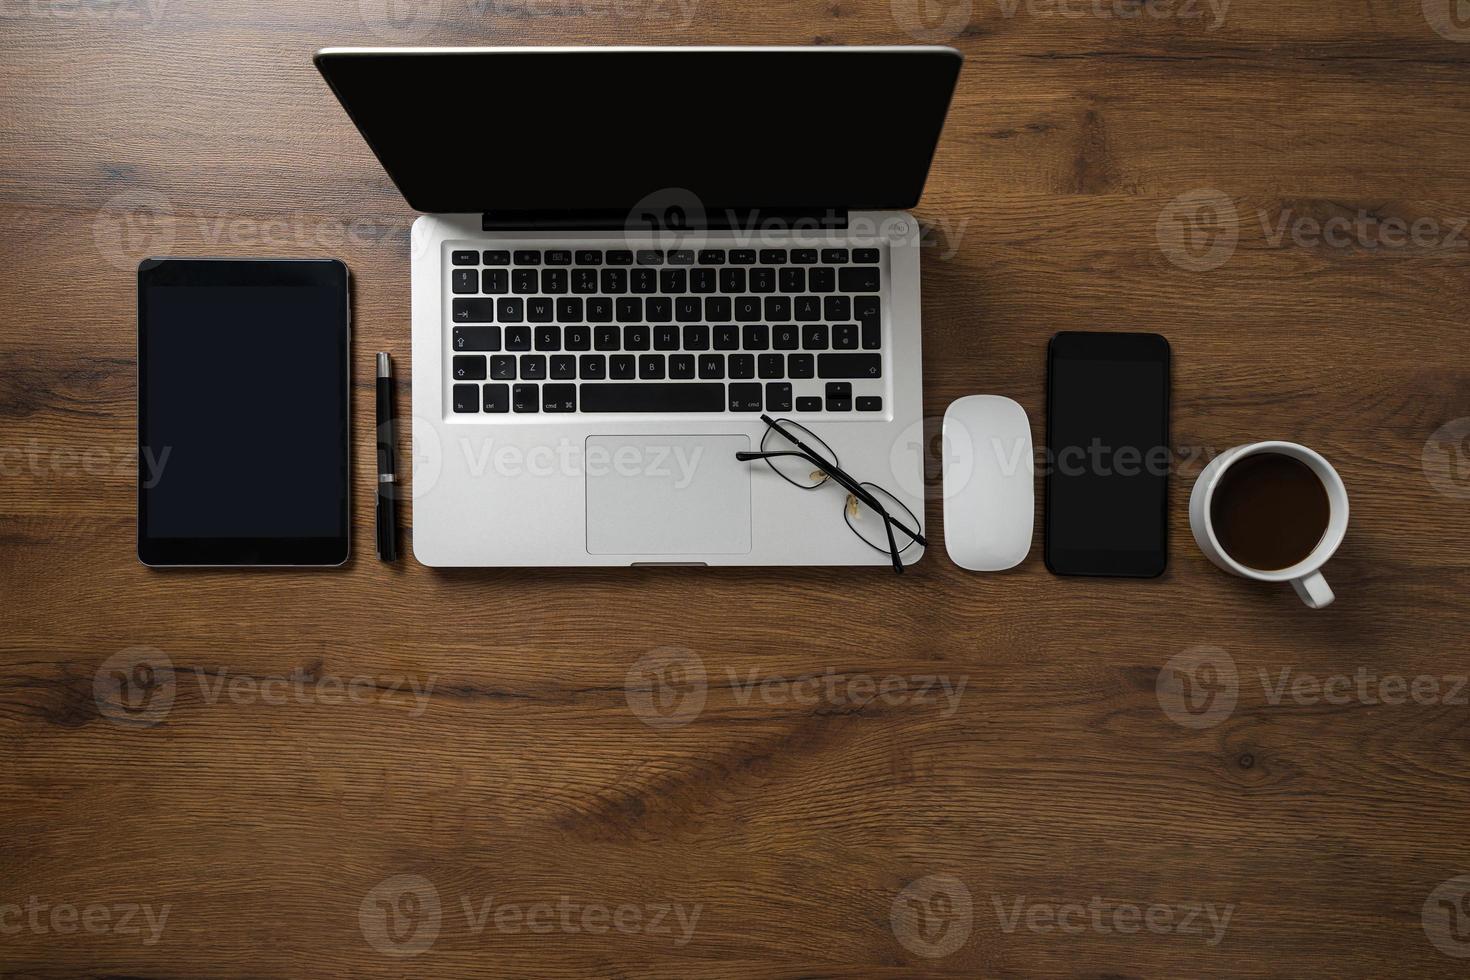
(549, 802)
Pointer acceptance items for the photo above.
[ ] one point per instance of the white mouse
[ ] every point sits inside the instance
(989, 483)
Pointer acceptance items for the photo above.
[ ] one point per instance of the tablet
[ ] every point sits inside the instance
(243, 412)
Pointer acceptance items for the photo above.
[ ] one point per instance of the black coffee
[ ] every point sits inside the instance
(1269, 511)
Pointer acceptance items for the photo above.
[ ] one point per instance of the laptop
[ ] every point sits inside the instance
(628, 260)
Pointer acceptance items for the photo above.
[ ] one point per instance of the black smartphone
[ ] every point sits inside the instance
(1108, 455)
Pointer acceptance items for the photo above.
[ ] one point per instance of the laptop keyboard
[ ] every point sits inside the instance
(652, 331)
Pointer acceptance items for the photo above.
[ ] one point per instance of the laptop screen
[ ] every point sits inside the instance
(603, 129)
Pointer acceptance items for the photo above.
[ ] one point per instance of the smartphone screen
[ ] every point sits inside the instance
(1108, 456)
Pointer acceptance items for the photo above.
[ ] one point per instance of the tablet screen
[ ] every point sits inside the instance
(243, 412)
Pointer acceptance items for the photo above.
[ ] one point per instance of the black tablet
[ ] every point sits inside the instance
(243, 412)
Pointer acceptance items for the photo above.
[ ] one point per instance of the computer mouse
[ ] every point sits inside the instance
(989, 483)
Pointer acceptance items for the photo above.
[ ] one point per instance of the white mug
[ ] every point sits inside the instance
(1306, 575)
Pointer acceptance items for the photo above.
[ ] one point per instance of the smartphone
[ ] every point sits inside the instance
(1108, 455)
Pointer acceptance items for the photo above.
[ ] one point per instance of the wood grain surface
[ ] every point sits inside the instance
(393, 771)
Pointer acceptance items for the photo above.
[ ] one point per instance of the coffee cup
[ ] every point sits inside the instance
(1273, 512)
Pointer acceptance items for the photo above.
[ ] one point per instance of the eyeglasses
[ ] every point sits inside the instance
(792, 450)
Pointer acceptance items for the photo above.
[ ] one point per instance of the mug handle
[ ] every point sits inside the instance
(1313, 590)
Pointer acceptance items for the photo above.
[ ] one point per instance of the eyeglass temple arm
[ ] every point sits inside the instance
(848, 483)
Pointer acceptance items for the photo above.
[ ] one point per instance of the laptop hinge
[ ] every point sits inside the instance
(672, 219)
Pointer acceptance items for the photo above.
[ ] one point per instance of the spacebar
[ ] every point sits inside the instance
(643, 397)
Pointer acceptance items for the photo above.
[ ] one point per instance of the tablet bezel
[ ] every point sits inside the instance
(161, 552)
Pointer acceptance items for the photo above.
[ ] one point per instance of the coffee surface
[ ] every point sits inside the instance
(1269, 511)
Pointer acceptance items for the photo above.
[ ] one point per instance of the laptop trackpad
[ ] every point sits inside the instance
(667, 495)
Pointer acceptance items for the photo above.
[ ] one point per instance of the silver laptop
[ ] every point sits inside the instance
(651, 288)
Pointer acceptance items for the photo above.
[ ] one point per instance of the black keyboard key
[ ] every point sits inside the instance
(732, 280)
(844, 336)
(778, 397)
(801, 366)
(839, 396)
(651, 367)
(589, 256)
(711, 366)
(808, 308)
(569, 309)
(643, 281)
(836, 256)
(858, 279)
(727, 337)
(814, 336)
(870, 403)
(850, 366)
(593, 367)
(757, 336)
(584, 281)
(763, 280)
(564, 367)
(497, 398)
(526, 398)
(607, 338)
(742, 366)
(673, 280)
(630, 309)
(703, 281)
(558, 256)
(600, 309)
(635, 338)
(785, 336)
(836, 308)
(747, 308)
(822, 279)
(681, 366)
(548, 338)
(523, 281)
(804, 256)
(553, 281)
(473, 311)
(494, 281)
(469, 367)
(528, 256)
(778, 307)
(792, 280)
(476, 338)
(742, 256)
(540, 309)
(622, 367)
(619, 256)
(716, 308)
(745, 398)
(614, 281)
(577, 337)
(640, 397)
(866, 310)
(517, 338)
(666, 338)
(649, 256)
(865, 256)
(658, 309)
(773, 256)
(495, 256)
(771, 365)
(466, 398)
(559, 398)
(712, 256)
(809, 404)
(533, 367)
(696, 337)
(465, 281)
(503, 367)
(688, 309)
(681, 256)
(465, 258)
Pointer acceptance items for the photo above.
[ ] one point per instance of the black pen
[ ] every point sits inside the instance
(387, 472)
